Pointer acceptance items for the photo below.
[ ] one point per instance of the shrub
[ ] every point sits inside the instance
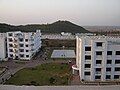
(51, 80)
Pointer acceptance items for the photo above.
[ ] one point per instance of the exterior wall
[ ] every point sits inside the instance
(2, 46)
(108, 44)
(25, 49)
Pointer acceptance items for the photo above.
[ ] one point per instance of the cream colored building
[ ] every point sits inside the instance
(2, 46)
(97, 58)
(23, 45)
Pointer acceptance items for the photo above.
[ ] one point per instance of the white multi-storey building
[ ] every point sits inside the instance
(97, 58)
(2, 46)
(23, 45)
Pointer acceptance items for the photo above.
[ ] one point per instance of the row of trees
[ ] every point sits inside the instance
(112, 32)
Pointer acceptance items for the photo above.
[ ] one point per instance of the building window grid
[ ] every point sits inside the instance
(109, 61)
(87, 73)
(26, 40)
(87, 48)
(87, 65)
(98, 61)
(117, 61)
(97, 77)
(117, 53)
(116, 76)
(108, 69)
(98, 52)
(109, 52)
(117, 68)
(108, 76)
(10, 34)
(87, 57)
(99, 44)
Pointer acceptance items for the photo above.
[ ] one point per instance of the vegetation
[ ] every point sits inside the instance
(45, 74)
(58, 43)
(112, 32)
(56, 27)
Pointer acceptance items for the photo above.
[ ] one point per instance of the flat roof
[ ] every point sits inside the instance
(81, 87)
(63, 54)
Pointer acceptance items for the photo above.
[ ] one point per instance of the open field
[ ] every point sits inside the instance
(46, 74)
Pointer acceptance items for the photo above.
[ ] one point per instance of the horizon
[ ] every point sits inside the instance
(80, 12)
(57, 21)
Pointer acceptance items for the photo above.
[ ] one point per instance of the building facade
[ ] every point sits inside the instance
(97, 58)
(23, 45)
(3, 46)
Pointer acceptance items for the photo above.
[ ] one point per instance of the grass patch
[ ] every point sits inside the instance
(45, 74)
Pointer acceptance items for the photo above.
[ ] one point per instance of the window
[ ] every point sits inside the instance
(98, 69)
(10, 45)
(21, 50)
(26, 45)
(11, 55)
(108, 69)
(109, 61)
(21, 39)
(10, 39)
(21, 55)
(109, 52)
(32, 39)
(32, 49)
(116, 76)
(87, 48)
(108, 76)
(10, 34)
(21, 45)
(97, 77)
(98, 61)
(117, 52)
(10, 50)
(32, 44)
(117, 68)
(27, 50)
(99, 44)
(87, 65)
(87, 57)
(99, 53)
(87, 73)
(117, 61)
(27, 56)
(26, 40)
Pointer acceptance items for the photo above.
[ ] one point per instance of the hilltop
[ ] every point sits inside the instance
(56, 27)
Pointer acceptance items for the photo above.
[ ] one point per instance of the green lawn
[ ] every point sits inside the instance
(45, 74)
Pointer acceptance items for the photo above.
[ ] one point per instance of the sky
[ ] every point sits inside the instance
(81, 12)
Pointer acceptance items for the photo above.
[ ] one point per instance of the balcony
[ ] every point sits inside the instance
(19, 34)
(15, 46)
(15, 51)
(15, 40)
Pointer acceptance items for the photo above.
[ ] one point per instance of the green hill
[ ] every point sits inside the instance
(56, 27)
